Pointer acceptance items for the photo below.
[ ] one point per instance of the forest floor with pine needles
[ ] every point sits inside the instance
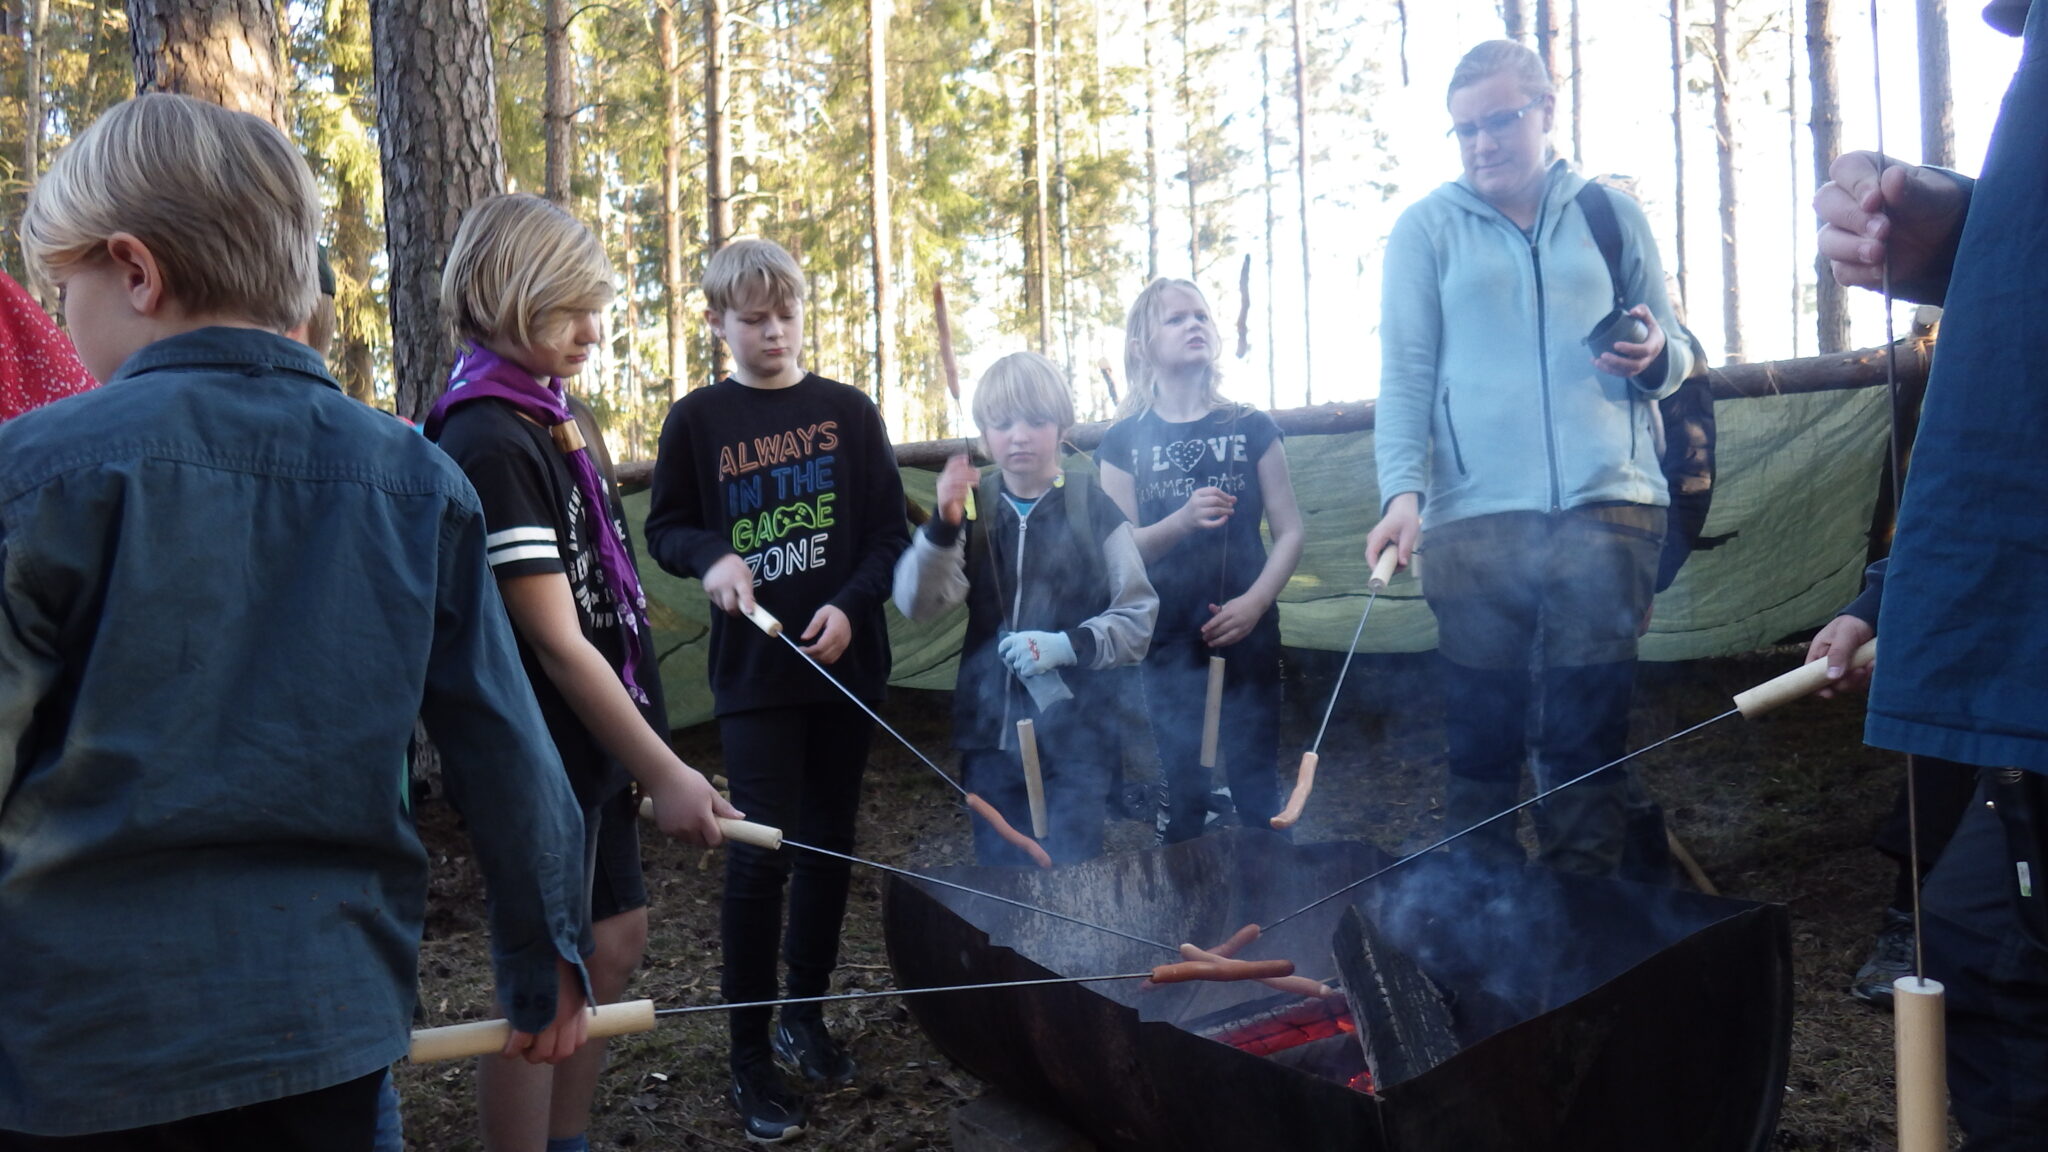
(1779, 810)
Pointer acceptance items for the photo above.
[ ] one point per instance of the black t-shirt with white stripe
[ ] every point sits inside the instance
(538, 522)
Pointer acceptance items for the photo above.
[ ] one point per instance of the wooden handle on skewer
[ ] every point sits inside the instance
(1286, 981)
(1034, 779)
(765, 620)
(484, 1037)
(1383, 568)
(1212, 713)
(987, 811)
(1304, 783)
(744, 831)
(1920, 1044)
(1800, 682)
(1260, 970)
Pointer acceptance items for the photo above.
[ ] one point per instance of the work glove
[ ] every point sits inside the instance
(1035, 653)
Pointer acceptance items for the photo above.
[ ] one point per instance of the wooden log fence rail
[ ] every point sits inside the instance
(1841, 371)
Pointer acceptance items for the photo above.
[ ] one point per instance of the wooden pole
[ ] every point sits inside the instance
(486, 1037)
(1212, 712)
(1921, 1044)
(1034, 780)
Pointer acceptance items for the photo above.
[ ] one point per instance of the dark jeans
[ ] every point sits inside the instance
(798, 769)
(338, 1119)
(1529, 603)
(1248, 738)
(1074, 794)
(1985, 942)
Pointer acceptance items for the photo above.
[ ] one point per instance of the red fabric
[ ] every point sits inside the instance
(37, 362)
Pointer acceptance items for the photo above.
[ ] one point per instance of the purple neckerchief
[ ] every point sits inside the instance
(481, 374)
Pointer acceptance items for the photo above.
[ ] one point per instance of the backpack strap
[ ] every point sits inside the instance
(1600, 220)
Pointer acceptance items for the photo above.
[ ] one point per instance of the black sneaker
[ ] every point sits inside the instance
(1891, 956)
(801, 1039)
(767, 1111)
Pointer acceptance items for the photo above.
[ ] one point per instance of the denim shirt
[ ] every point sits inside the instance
(226, 590)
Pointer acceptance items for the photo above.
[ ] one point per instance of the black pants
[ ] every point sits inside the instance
(798, 769)
(338, 1119)
(1545, 608)
(1248, 738)
(1941, 791)
(1074, 794)
(1986, 942)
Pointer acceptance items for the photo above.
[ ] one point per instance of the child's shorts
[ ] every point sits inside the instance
(611, 844)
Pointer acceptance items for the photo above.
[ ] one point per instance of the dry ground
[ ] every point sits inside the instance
(1777, 810)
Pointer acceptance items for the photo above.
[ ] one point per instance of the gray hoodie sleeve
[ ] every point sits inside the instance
(1411, 330)
(1123, 631)
(1645, 273)
(931, 577)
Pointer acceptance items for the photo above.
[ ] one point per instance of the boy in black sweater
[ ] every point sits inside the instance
(778, 487)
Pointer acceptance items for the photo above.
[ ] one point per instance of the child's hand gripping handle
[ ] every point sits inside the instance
(1800, 682)
(744, 831)
(484, 1037)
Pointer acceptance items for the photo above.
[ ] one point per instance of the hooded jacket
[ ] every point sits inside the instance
(1489, 400)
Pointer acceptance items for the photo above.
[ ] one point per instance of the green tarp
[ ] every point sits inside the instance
(1796, 485)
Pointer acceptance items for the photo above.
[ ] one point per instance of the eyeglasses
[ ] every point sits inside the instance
(1495, 124)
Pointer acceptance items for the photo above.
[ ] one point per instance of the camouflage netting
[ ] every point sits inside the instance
(1796, 485)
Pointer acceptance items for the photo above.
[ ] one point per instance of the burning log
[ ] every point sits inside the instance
(1402, 1019)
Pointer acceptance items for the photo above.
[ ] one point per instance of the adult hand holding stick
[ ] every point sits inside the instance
(1305, 776)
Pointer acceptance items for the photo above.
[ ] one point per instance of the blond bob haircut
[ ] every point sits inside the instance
(519, 268)
(1141, 376)
(221, 199)
(1023, 386)
(1503, 57)
(752, 273)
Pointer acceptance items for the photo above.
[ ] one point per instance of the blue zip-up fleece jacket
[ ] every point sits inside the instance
(1489, 401)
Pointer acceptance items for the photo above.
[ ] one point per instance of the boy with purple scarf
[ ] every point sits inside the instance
(521, 294)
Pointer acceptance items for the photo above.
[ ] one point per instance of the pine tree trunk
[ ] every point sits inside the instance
(558, 110)
(1546, 34)
(226, 51)
(1272, 215)
(356, 239)
(880, 231)
(1724, 139)
(1832, 307)
(672, 288)
(1515, 17)
(717, 148)
(1041, 219)
(33, 27)
(1578, 91)
(437, 123)
(717, 129)
(1799, 211)
(1190, 163)
(1937, 98)
(1308, 344)
(1678, 138)
(1151, 151)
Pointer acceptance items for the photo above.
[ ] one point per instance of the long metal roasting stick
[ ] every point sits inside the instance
(1920, 1042)
(484, 1037)
(1799, 682)
(766, 622)
(1305, 776)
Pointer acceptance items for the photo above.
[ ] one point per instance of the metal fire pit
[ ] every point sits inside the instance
(1588, 1015)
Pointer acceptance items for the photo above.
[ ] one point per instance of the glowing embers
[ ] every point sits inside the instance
(1314, 1036)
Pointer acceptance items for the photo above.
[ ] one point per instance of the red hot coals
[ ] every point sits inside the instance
(1314, 1036)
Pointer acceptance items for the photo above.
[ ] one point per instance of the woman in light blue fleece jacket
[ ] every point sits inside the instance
(1533, 459)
